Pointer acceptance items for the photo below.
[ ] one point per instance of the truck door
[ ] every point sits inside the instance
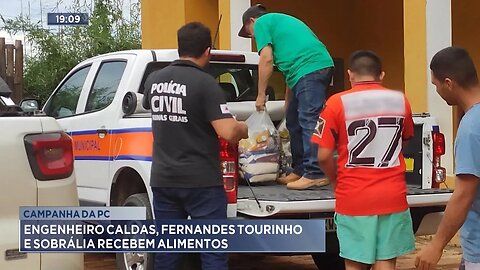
(91, 92)
(94, 129)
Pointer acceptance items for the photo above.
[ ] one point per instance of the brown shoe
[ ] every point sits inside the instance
(288, 179)
(304, 183)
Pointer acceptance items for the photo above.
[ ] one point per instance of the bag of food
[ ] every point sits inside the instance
(285, 151)
(260, 153)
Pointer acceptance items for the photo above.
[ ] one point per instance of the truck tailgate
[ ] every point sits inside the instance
(275, 192)
(277, 199)
(19, 187)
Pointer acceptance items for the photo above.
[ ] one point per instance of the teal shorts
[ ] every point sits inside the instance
(367, 239)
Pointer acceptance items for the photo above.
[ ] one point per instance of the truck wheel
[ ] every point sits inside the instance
(135, 260)
(328, 261)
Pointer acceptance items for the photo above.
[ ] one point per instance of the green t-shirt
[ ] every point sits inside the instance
(297, 51)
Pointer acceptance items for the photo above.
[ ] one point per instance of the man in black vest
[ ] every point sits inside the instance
(189, 112)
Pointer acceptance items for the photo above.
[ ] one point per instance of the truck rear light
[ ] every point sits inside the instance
(50, 155)
(229, 183)
(229, 167)
(439, 174)
(438, 144)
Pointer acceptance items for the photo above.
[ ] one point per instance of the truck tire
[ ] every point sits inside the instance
(328, 261)
(134, 260)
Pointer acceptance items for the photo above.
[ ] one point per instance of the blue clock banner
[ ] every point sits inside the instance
(67, 18)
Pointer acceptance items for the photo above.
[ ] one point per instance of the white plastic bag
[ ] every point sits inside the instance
(260, 153)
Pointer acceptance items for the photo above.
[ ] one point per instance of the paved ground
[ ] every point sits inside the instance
(450, 261)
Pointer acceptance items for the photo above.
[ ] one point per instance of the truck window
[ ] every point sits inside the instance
(105, 85)
(238, 81)
(64, 101)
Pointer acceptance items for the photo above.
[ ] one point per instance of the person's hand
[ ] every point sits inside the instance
(285, 106)
(260, 102)
(244, 130)
(428, 257)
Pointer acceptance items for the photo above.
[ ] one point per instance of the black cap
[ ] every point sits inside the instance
(252, 12)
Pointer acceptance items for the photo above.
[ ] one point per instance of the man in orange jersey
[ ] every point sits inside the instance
(367, 125)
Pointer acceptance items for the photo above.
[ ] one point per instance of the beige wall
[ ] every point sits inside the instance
(162, 18)
(378, 26)
(465, 27)
(204, 11)
(465, 23)
(465, 33)
(348, 25)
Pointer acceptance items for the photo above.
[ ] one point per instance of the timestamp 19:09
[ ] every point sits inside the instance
(68, 19)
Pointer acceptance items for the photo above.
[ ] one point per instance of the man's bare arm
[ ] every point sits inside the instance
(230, 129)
(327, 164)
(265, 70)
(288, 97)
(455, 215)
(457, 209)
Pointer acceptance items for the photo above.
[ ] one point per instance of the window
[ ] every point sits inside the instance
(64, 101)
(105, 85)
(239, 82)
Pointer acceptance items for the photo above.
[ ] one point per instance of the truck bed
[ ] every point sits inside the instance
(275, 192)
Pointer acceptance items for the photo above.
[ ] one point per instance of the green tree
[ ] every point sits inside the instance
(55, 51)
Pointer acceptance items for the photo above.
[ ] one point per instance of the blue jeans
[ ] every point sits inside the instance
(302, 115)
(198, 203)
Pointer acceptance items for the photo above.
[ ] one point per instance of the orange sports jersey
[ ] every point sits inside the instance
(367, 125)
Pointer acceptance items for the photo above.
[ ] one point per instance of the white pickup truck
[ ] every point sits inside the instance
(113, 145)
(36, 165)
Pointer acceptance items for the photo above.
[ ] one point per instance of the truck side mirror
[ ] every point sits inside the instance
(30, 105)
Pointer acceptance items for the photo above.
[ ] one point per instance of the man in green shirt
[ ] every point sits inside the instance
(303, 59)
